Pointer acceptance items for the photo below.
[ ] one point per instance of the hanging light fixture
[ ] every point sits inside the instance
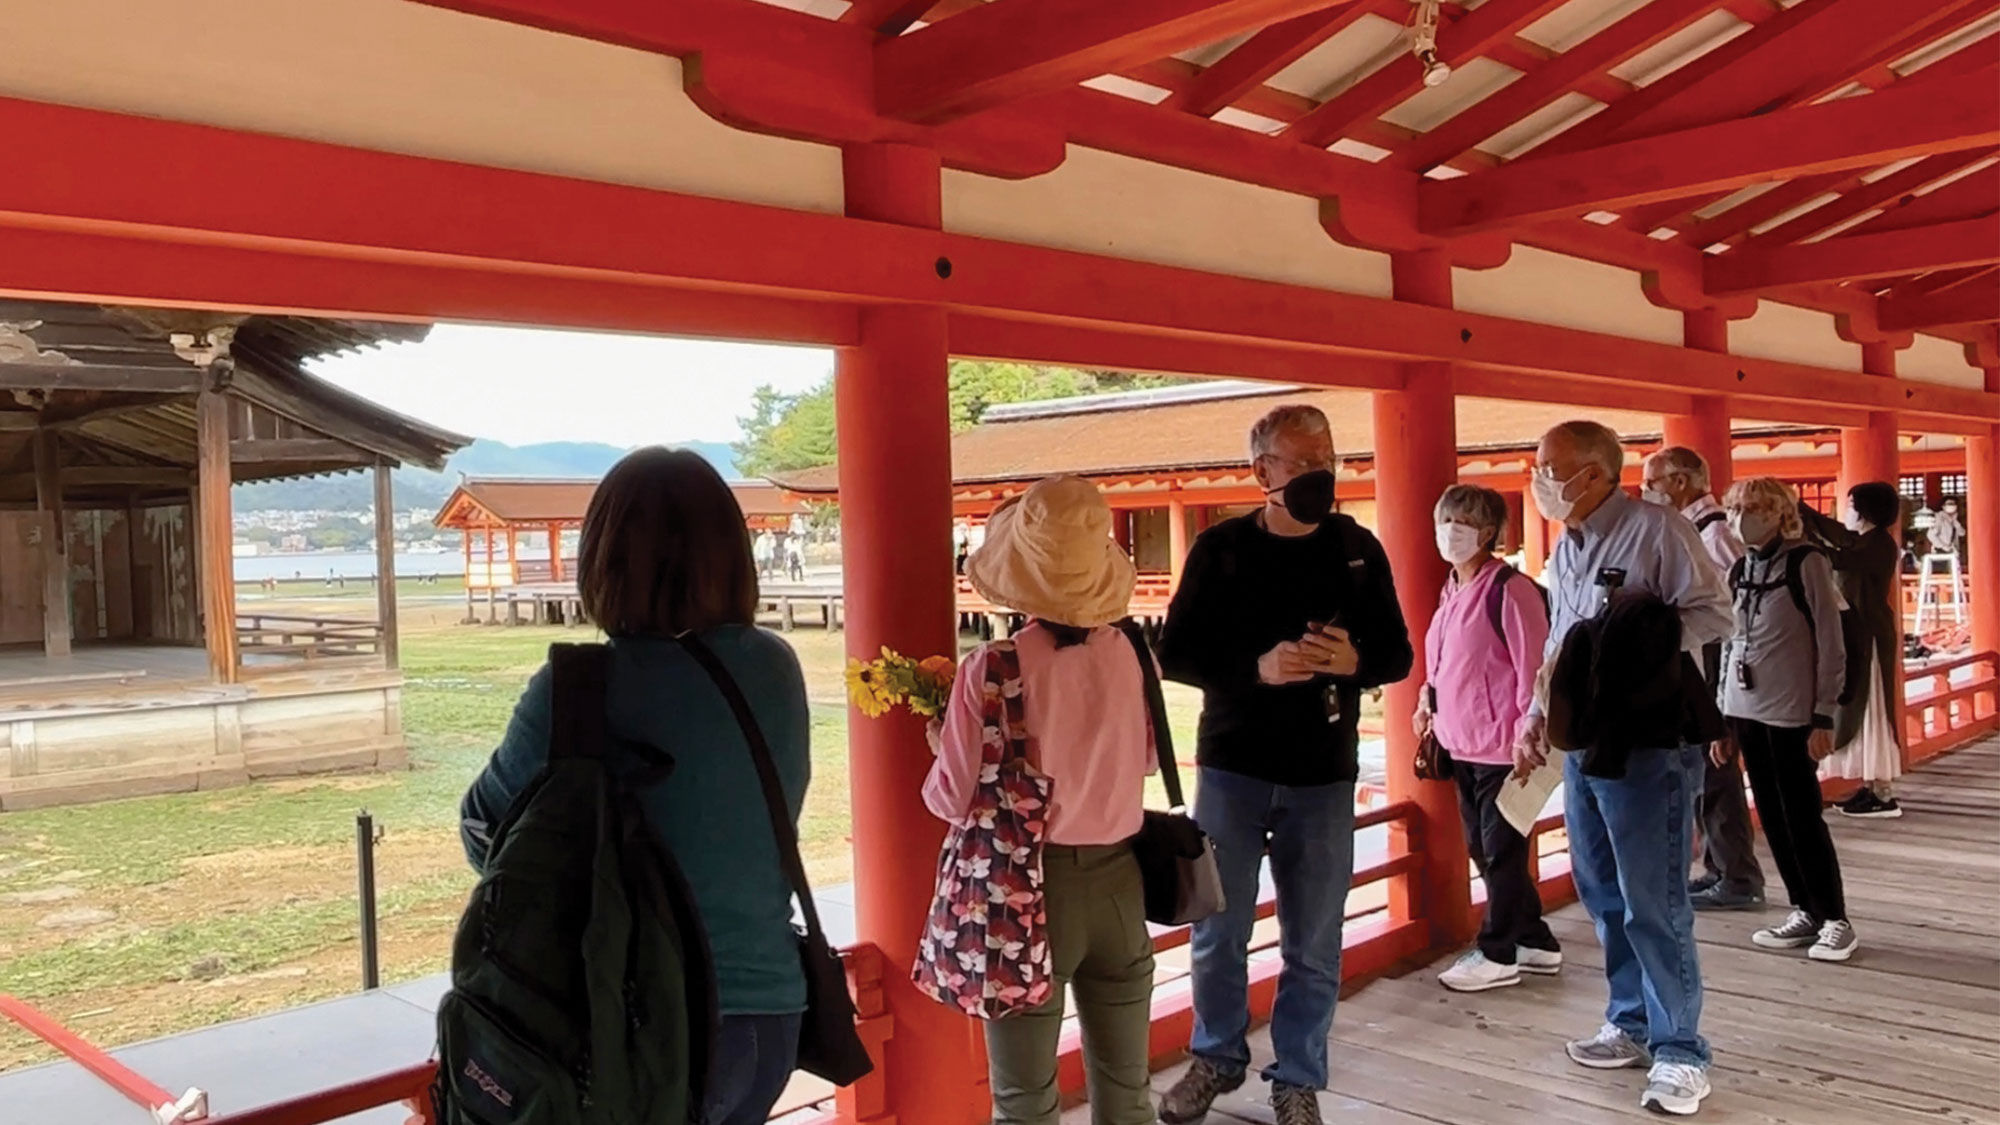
(1424, 43)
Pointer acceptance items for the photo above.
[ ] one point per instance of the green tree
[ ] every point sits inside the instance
(786, 432)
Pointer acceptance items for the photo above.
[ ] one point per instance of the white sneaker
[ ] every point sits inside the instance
(1675, 1088)
(1541, 962)
(1837, 942)
(1474, 972)
(1609, 1049)
(1796, 932)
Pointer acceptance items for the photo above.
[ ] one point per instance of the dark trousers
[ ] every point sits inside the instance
(1728, 842)
(754, 1059)
(1513, 904)
(1786, 781)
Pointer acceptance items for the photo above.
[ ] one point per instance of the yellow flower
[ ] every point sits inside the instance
(866, 690)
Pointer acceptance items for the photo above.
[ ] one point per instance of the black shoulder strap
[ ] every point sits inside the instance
(1496, 600)
(1156, 706)
(1710, 520)
(1736, 570)
(767, 773)
(580, 683)
(1795, 580)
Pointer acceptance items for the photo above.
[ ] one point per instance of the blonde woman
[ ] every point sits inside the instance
(1782, 674)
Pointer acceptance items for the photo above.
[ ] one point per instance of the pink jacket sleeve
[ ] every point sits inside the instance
(1526, 619)
(955, 774)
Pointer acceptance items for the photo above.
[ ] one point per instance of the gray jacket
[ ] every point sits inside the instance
(1797, 663)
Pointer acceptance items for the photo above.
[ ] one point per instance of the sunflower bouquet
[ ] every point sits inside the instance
(877, 686)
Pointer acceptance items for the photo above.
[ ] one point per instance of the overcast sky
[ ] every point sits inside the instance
(522, 386)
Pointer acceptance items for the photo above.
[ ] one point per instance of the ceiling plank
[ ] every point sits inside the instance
(99, 377)
(1491, 23)
(1969, 198)
(277, 451)
(1971, 242)
(1966, 304)
(1859, 132)
(1005, 52)
(1866, 197)
(1543, 85)
(1270, 51)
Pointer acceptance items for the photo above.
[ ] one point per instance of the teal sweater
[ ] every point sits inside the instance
(710, 812)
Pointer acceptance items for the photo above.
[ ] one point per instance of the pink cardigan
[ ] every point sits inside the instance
(1484, 683)
(1086, 713)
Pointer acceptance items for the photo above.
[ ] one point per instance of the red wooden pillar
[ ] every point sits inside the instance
(1177, 539)
(1534, 536)
(1416, 459)
(1982, 525)
(894, 423)
(1870, 453)
(1706, 430)
(555, 552)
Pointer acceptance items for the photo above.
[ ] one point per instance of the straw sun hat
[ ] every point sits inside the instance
(1050, 555)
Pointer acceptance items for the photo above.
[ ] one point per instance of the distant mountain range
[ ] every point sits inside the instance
(421, 488)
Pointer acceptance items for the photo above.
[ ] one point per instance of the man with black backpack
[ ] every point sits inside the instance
(1677, 477)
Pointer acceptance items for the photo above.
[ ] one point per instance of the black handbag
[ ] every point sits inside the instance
(1176, 858)
(1433, 762)
(829, 1045)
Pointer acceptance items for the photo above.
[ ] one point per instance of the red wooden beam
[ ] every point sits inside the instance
(1541, 86)
(1966, 304)
(1970, 242)
(1727, 225)
(1975, 195)
(1859, 132)
(1005, 52)
(887, 17)
(1494, 22)
(1936, 282)
(1865, 197)
(1270, 51)
(132, 218)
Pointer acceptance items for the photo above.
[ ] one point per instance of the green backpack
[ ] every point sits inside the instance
(582, 991)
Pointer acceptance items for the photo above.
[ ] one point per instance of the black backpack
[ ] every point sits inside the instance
(1496, 597)
(1853, 632)
(582, 990)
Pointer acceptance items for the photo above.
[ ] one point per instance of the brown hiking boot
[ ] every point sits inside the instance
(1295, 1105)
(1189, 1100)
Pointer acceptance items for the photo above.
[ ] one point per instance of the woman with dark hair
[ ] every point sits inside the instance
(664, 553)
(1863, 548)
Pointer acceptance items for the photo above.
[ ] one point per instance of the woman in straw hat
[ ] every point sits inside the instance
(1051, 557)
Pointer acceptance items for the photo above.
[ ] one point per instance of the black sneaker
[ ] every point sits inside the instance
(1191, 1097)
(1859, 799)
(1868, 806)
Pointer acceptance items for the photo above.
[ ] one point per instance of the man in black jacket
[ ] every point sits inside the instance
(1282, 618)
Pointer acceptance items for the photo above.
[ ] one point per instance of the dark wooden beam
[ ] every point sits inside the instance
(385, 562)
(98, 377)
(215, 534)
(126, 476)
(277, 451)
(56, 627)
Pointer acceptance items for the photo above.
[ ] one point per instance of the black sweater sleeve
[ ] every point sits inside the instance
(1380, 635)
(1845, 548)
(1198, 645)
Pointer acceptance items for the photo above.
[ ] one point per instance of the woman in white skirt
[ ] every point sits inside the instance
(1863, 548)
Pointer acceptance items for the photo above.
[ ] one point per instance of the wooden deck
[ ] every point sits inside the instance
(1907, 1032)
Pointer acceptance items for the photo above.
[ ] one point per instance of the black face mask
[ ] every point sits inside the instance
(1308, 496)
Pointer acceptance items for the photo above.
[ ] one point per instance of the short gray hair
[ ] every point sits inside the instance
(1680, 459)
(1477, 507)
(1294, 417)
(1597, 442)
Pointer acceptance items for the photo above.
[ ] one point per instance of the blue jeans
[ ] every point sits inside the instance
(1629, 849)
(754, 1060)
(1309, 833)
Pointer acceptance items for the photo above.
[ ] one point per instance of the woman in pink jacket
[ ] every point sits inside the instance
(1483, 652)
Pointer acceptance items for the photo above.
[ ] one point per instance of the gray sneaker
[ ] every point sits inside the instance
(1609, 1049)
(1675, 1088)
(1295, 1105)
(1191, 1097)
(1718, 897)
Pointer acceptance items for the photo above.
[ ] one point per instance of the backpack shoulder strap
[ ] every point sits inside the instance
(1795, 582)
(767, 774)
(581, 677)
(1496, 600)
(1156, 709)
(1736, 570)
(1710, 520)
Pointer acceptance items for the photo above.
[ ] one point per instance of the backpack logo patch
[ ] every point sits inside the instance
(488, 1085)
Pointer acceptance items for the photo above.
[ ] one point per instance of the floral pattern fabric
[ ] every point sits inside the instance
(985, 949)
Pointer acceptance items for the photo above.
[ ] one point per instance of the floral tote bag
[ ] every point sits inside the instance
(985, 949)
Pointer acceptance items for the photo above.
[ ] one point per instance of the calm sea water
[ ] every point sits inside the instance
(346, 564)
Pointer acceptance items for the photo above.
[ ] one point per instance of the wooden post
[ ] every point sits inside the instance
(465, 540)
(385, 564)
(555, 553)
(1177, 539)
(513, 557)
(1534, 537)
(1706, 430)
(1416, 459)
(214, 532)
(56, 625)
(492, 606)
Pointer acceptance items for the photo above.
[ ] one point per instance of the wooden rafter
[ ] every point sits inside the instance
(1970, 242)
(1864, 198)
(1967, 198)
(1269, 51)
(887, 17)
(1863, 132)
(99, 377)
(1975, 303)
(1000, 53)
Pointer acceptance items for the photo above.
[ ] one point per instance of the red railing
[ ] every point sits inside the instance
(1950, 702)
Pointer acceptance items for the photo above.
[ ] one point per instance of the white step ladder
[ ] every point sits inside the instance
(1941, 574)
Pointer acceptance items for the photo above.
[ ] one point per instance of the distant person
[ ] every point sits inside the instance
(664, 553)
(1677, 477)
(1781, 684)
(795, 560)
(1484, 650)
(1864, 553)
(1946, 533)
(1628, 795)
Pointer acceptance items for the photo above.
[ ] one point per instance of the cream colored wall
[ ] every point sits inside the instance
(1795, 335)
(1550, 288)
(1931, 360)
(402, 77)
(1102, 203)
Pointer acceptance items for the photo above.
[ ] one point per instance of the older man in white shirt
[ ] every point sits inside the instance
(1677, 477)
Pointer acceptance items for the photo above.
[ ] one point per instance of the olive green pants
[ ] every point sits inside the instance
(1100, 948)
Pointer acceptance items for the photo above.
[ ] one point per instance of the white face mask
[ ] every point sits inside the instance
(1851, 521)
(1753, 529)
(1457, 543)
(1552, 495)
(1655, 496)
